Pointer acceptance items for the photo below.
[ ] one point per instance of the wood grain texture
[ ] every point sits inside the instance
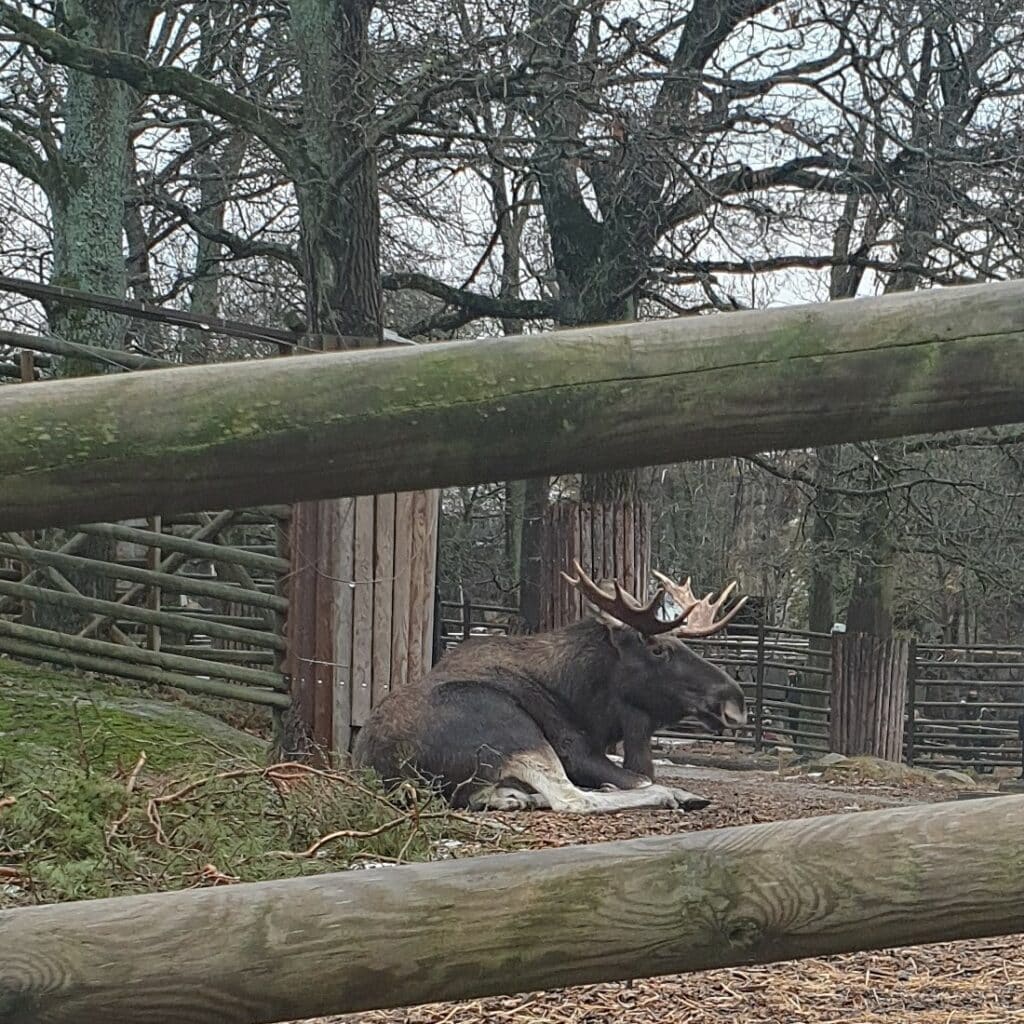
(400, 596)
(237, 434)
(324, 597)
(362, 613)
(518, 922)
(300, 627)
(869, 694)
(343, 601)
(611, 541)
(383, 595)
(429, 583)
(418, 665)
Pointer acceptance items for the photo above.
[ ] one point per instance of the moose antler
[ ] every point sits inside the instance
(700, 620)
(625, 608)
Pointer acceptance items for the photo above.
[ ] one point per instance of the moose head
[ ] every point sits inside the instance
(658, 677)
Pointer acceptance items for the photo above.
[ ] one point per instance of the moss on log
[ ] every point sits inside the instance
(344, 942)
(623, 395)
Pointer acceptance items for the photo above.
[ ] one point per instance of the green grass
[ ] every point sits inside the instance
(105, 791)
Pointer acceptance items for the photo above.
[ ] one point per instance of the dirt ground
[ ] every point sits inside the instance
(977, 982)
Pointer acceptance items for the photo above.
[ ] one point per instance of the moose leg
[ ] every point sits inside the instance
(636, 744)
(591, 769)
(542, 771)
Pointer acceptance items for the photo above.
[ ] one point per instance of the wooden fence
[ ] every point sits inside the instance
(362, 608)
(611, 540)
(480, 926)
(196, 602)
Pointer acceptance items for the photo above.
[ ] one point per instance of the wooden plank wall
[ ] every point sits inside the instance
(611, 541)
(364, 623)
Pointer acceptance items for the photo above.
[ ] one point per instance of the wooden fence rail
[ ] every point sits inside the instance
(365, 422)
(345, 942)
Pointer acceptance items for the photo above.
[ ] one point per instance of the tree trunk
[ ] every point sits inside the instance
(821, 591)
(871, 601)
(339, 211)
(535, 503)
(351, 581)
(869, 694)
(88, 208)
(821, 601)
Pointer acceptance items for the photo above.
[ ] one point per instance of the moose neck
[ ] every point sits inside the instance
(581, 658)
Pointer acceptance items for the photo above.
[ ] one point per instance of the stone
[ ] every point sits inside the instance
(952, 775)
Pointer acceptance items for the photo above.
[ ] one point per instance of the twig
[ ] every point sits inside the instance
(353, 833)
(128, 789)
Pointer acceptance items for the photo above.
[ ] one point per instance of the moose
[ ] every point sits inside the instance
(526, 722)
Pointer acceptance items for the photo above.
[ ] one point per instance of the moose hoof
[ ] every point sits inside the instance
(690, 801)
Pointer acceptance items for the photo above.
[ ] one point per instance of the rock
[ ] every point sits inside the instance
(952, 775)
(1012, 786)
(47, 714)
(829, 760)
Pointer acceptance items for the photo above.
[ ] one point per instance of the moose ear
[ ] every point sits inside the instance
(622, 638)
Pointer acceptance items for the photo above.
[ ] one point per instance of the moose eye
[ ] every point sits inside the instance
(660, 652)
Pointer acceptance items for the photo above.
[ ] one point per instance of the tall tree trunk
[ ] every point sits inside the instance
(88, 209)
(88, 213)
(925, 200)
(821, 591)
(351, 586)
(871, 599)
(339, 212)
(536, 497)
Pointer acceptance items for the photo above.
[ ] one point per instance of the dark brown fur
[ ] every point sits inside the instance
(578, 690)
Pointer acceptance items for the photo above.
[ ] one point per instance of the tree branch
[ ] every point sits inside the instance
(240, 248)
(150, 79)
(473, 302)
(17, 153)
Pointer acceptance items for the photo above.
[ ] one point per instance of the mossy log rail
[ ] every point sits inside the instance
(197, 661)
(368, 422)
(337, 943)
(150, 577)
(116, 610)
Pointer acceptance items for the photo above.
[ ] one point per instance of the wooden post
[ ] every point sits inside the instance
(759, 691)
(689, 387)
(26, 365)
(611, 541)
(909, 715)
(154, 594)
(467, 617)
(367, 625)
(465, 928)
(869, 694)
